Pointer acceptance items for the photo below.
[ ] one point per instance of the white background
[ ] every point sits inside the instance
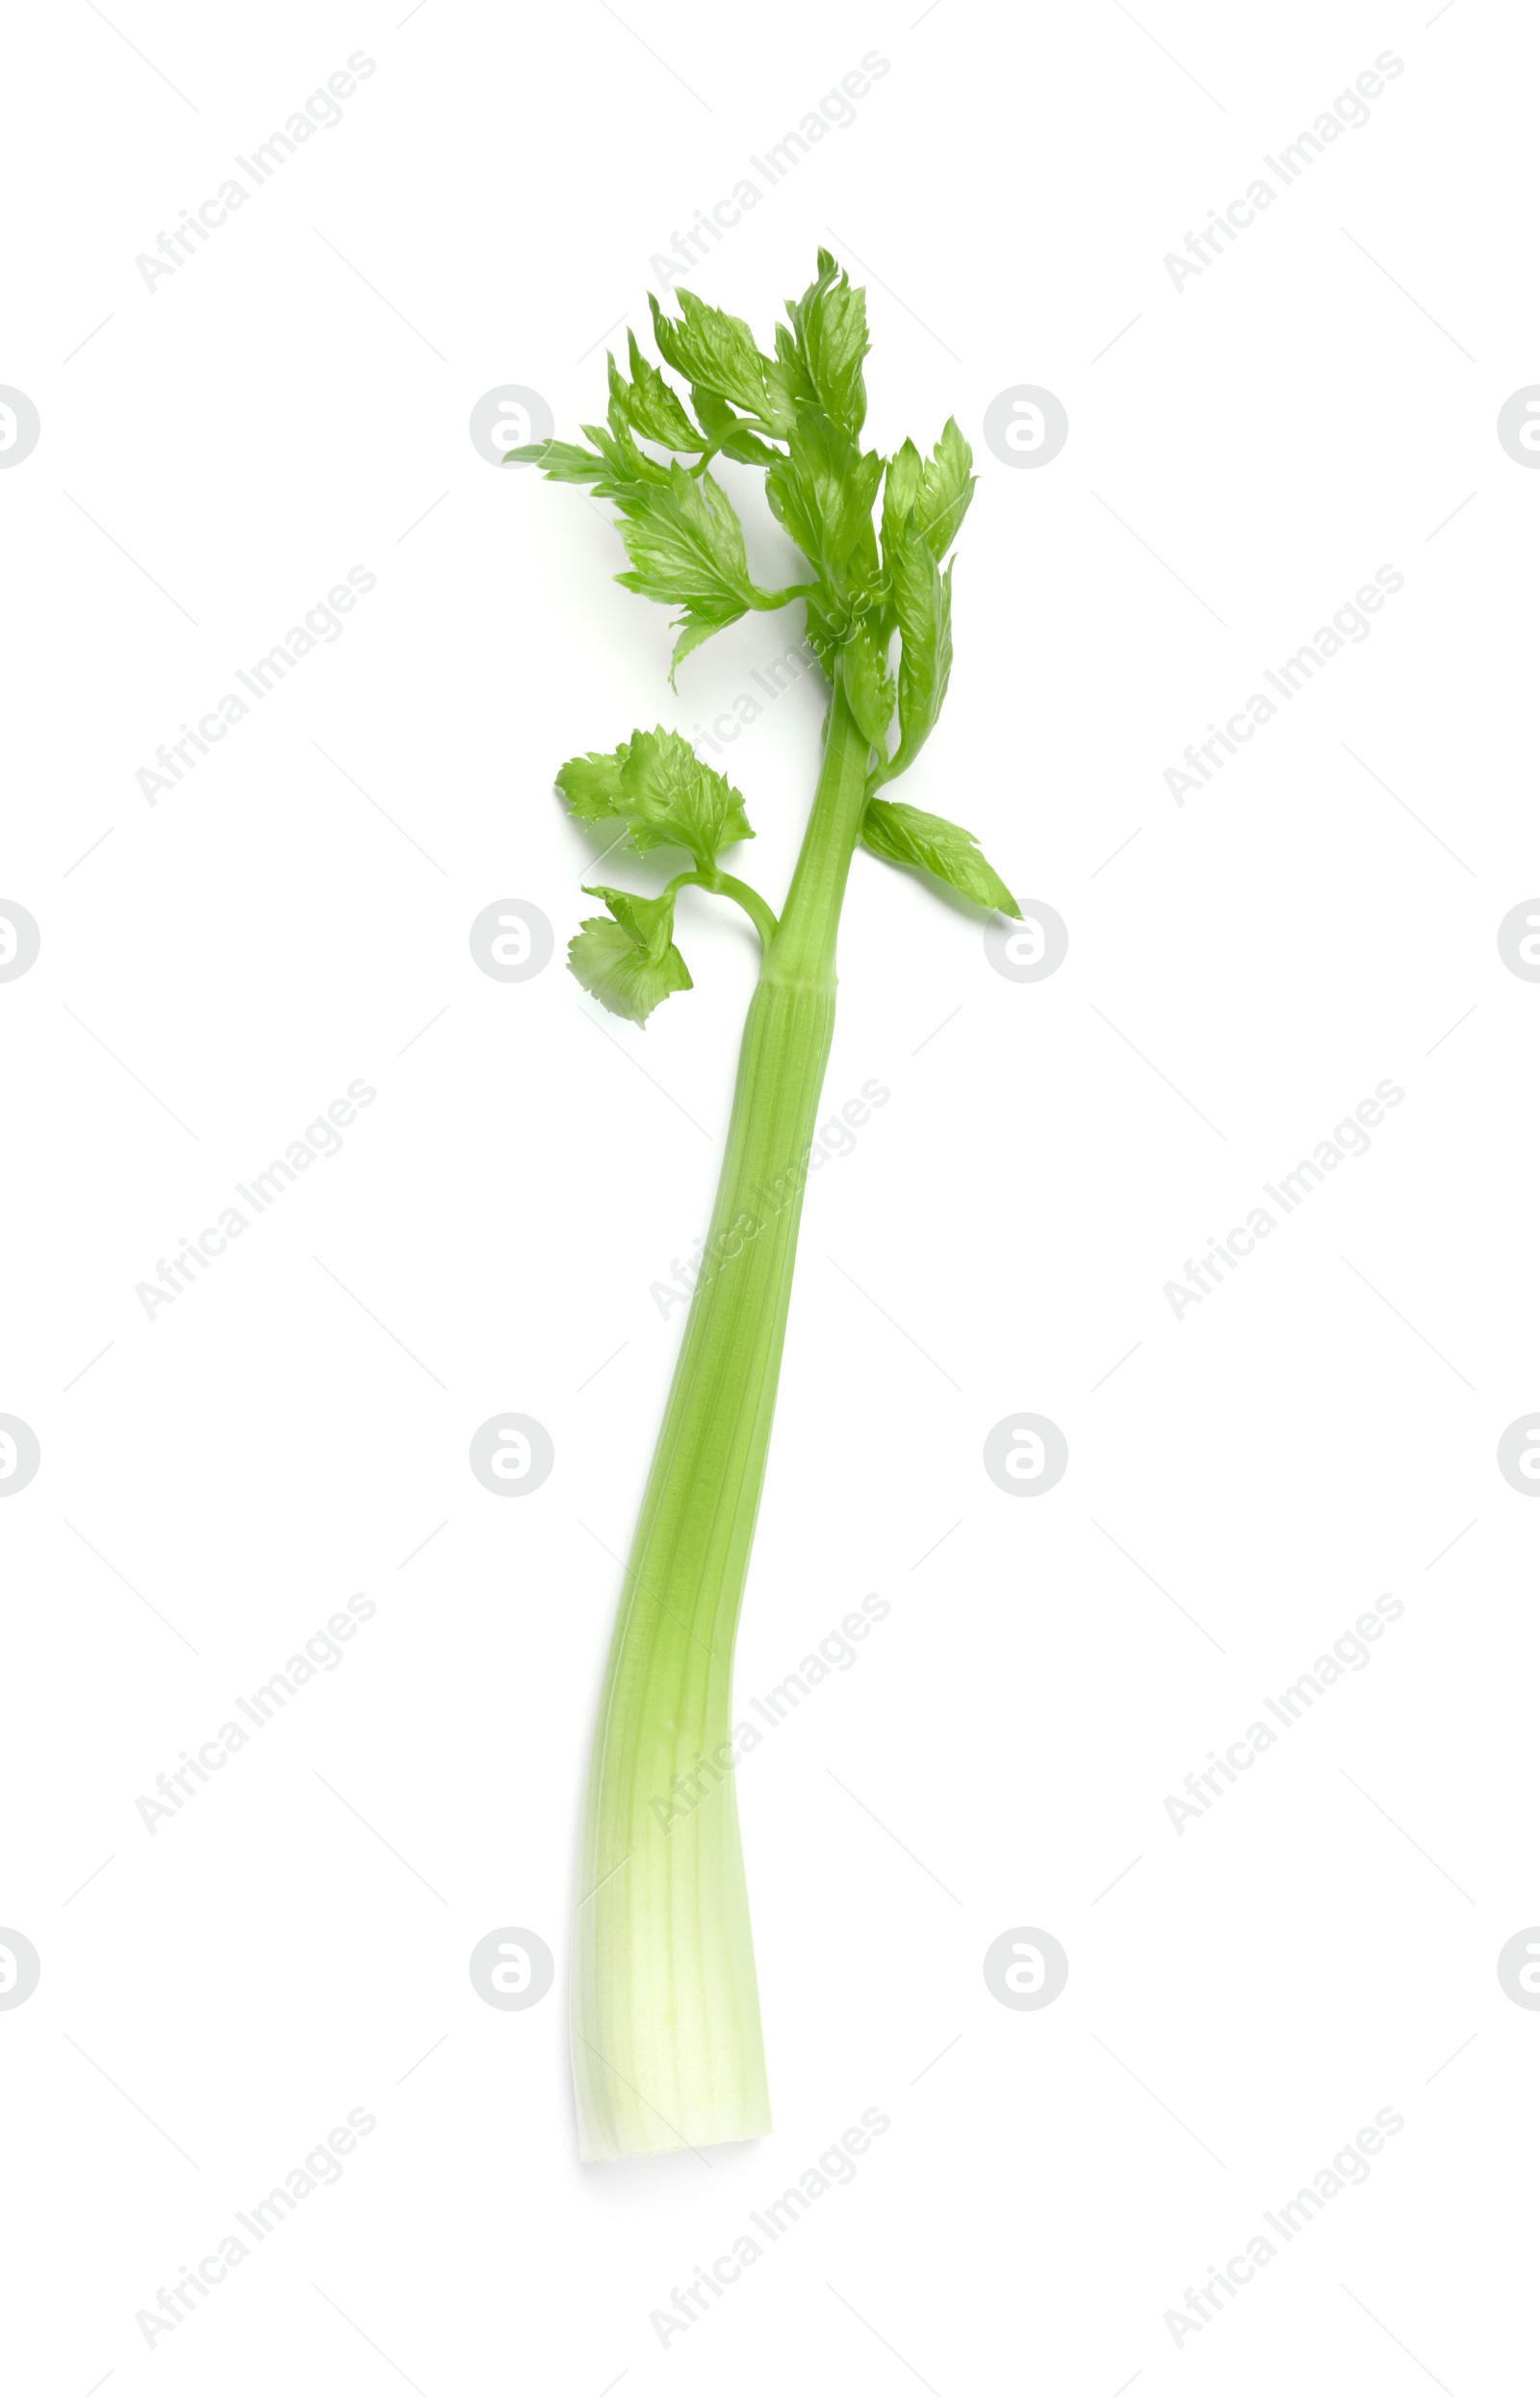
(216, 453)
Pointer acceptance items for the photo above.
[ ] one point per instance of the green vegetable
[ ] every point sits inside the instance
(666, 2040)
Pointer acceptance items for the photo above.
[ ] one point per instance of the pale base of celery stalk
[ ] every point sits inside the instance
(667, 2049)
(667, 2045)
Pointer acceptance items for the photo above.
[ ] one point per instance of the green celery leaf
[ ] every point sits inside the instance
(563, 461)
(672, 796)
(794, 504)
(713, 350)
(591, 785)
(691, 631)
(786, 381)
(935, 491)
(627, 959)
(945, 490)
(868, 684)
(923, 599)
(667, 796)
(901, 488)
(650, 922)
(907, 836)
(681, 529)
(822, 492)
(685, 545)
(830, 322)
(626, 468)
(654, 407)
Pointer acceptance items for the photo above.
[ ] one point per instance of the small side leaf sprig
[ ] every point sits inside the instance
(874, 578)
(663, 796)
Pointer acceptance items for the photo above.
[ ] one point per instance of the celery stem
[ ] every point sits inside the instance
(667, 2048)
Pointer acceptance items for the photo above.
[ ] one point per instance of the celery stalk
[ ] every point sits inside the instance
(667, 2049)
(665, 2011)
